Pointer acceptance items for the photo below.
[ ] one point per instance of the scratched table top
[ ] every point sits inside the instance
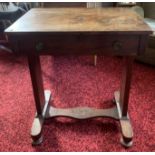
(79, 20)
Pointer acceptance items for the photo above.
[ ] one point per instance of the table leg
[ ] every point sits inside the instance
(125, 85)
(41, 98)
(122, 99)
(44, 111)
(95, 60)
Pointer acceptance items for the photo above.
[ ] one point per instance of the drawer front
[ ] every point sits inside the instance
(82, 44)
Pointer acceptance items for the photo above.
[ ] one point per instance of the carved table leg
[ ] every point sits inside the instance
(121, 99)
(41, 98)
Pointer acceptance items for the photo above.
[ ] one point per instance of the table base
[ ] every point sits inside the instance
(82, 113)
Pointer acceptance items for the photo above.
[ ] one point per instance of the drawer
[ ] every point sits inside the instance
(82, 44)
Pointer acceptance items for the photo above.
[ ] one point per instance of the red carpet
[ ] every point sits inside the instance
(74, 82)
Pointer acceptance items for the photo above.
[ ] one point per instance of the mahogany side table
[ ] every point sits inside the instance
(79, 31)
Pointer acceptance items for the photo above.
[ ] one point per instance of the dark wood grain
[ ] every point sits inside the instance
(125, 84)
(37, 82)
(80, 20)
(82, 113)
(143, 43)
(80, 44)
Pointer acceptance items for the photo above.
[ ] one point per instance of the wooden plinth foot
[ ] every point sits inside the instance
(37, 126)
(127, 132)
(125, 124)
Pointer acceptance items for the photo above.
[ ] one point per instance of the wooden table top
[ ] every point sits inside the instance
(80, 20)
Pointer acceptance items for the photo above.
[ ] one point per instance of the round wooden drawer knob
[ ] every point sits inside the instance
(117, 45)
(39, 46)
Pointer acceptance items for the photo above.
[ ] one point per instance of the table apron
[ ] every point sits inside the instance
(79, 44)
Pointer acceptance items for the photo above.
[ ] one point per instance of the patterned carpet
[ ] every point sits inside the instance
(74, 81)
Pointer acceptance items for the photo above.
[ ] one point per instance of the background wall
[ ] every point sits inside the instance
(149, 9)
